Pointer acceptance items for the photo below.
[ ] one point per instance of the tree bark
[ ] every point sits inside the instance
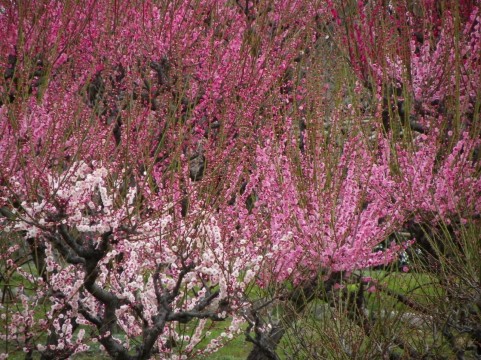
(265, 345)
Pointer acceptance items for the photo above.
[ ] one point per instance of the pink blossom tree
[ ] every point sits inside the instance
(125, 135)
(156, 162)
(413, 160)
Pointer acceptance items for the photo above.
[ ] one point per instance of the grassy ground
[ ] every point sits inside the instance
(417, 286)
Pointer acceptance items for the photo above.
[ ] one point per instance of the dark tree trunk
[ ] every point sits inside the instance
(268, 351)
(265, 345)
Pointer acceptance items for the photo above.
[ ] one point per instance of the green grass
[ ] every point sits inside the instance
(391, 322)
(236, 349)
(313, 330)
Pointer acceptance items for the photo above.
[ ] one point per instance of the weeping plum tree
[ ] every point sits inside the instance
(156, 161)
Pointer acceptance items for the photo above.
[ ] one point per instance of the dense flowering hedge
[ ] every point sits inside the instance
(154, 165)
